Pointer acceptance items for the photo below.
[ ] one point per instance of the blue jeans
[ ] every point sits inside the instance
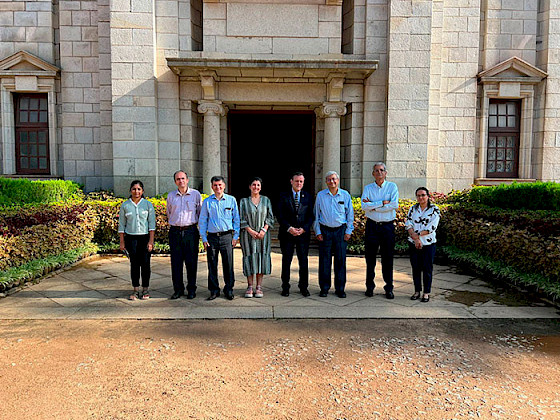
(422, 262)
(333, 243)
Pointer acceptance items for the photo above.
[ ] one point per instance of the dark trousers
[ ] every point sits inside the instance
(183, 245)
(137, 248)
(333, 243)
(301, 245)
(220, 245)
(380, 236)
(422, 262)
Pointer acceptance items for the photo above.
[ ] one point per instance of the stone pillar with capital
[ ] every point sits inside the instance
(211, 158)
(331, 112)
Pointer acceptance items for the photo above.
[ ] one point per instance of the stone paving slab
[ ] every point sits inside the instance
(98, 289)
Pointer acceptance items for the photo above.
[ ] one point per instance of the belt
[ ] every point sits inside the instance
(218, 234)
(193, 226)
(380, 223)
(331, 229)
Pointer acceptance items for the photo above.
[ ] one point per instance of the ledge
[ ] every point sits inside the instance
(498, 181)
(295, 67)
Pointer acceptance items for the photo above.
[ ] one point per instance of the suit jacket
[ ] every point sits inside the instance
(287, 215)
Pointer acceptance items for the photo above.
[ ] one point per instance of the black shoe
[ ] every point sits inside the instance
(229, 296)
(415, 296)
(213, 296)
(389, 295)
(176, 295)
(341, 294)
(285, 292)
(323, 293)
(425, 298)
(369, 292)
(191, 295)
(305, 292)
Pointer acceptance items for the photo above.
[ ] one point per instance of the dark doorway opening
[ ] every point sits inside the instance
(270, 145)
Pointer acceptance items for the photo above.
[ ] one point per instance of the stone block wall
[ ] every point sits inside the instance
(28, 26)
(410, 25)
(509, 28)
(375, 90)
(458, 98)
(79, 99)
(254, 28)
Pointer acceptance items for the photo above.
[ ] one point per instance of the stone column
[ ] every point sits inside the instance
(211, 159)
(331, 112)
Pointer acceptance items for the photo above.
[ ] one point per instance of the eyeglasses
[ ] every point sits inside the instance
(421, 195)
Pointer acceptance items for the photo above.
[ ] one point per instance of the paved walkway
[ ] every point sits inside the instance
(97, 289)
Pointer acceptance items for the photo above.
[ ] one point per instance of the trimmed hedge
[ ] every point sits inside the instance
(521, 248)
(485, 265)
(519, 196)
(33, 240)
(356, 244)
(21, 191)
(17, 276)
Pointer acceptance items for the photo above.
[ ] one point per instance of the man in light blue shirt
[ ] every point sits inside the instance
(219, 230)
(380, 201)
(334, 224)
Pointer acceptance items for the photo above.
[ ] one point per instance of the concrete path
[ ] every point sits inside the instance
(98, 288)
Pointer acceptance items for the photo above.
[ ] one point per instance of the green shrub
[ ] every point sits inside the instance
(44, 240)
(356, 244)
(485, 265)
(520, 248)
(18, 192)
(34, 269)
(521, 196)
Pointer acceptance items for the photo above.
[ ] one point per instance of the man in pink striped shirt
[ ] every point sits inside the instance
(183, 209)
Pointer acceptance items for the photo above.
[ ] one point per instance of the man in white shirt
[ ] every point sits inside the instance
(380, 201)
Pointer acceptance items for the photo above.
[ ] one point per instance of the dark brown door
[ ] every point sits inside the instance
(32, 134)
(503, 139)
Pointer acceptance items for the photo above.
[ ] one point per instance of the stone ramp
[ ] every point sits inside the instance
(98, 288)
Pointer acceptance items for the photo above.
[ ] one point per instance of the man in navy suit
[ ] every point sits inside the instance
(295, 216)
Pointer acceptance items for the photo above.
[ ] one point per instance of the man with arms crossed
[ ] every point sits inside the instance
(334, 223)
(380, 201)
(295, 216)
(219, 229)
(183, 209)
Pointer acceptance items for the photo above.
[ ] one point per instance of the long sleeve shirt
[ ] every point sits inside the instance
(219, 216)
(420, 220)
(334, 210)
(183, 209)
(137, 219)
(374, 208)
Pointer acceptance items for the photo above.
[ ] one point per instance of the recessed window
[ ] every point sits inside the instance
(32, 134)
(503, 139)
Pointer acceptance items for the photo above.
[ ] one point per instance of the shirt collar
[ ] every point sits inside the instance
(187, 193)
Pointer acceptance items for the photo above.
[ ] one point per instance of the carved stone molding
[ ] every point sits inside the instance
(331, 110)
(335, 84)
(208, 83)
(212, 108)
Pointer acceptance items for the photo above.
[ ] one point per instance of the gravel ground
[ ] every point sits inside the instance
(298, 369)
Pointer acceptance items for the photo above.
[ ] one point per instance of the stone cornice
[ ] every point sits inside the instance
(348, 68)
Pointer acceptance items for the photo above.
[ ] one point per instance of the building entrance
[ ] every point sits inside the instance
(272, 146)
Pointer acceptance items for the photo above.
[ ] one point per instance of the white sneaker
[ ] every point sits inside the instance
(259, 292)
(249, 292)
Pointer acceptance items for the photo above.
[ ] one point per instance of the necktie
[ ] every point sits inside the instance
(296, 201)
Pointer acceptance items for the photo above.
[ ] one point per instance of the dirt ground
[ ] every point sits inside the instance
(305, 369)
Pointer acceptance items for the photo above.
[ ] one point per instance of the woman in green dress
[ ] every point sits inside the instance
(256, 219)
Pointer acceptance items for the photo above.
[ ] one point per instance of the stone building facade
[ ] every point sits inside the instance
(447, 92)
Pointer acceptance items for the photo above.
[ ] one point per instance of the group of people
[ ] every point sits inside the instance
(221, 224)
